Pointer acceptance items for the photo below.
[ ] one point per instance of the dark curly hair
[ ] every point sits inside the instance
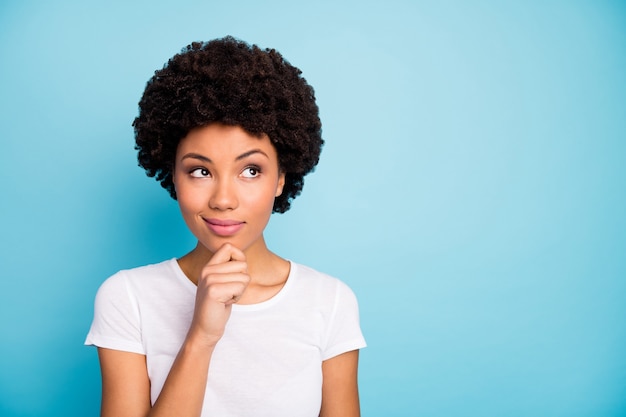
(231, 82)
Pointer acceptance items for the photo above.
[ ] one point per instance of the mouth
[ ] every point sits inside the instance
(224, 227)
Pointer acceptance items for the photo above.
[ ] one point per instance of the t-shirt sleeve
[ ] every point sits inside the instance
(116, 322)
(344, 330)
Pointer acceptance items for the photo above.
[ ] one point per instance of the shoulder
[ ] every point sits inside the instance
(161, 269)
(312, 276)
(320, 283)
(147, 275)
(337, 306)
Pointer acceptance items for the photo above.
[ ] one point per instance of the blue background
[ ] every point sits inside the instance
(472, 191)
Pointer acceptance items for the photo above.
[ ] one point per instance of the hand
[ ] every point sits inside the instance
(222, 282)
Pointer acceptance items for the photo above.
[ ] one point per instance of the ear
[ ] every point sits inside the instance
(281, 184)
(172, 173)
(174, 181)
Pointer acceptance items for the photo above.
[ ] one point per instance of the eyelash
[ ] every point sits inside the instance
(255, 168)
(205, 172)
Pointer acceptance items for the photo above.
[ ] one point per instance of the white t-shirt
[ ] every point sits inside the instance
(268, 363)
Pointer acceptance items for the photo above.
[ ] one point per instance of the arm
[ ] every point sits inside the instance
(126, 387)
(340, 392)
(125, 383)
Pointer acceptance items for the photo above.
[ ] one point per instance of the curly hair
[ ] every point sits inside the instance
(231, 82)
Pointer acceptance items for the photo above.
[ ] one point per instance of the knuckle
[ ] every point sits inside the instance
(214, 291)
(206, 269)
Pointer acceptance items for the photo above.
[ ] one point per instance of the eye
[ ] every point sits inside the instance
(200, 173)
(251, 172)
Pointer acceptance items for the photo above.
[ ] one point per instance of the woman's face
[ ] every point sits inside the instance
(226, 181)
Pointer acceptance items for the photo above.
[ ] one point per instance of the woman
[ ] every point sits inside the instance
(229, 329)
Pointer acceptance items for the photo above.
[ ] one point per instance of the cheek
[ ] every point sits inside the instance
(259, 201)
(188, 200)
(256, 199)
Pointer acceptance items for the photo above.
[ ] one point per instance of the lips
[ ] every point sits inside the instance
(224, 227)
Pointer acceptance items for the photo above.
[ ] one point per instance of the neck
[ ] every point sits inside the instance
(261, 261)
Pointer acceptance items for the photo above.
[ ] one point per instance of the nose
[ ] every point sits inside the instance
(223, 195)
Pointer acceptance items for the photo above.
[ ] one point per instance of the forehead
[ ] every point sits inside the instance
(224, 141)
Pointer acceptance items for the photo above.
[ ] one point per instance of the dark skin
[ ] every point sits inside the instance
(230, 264)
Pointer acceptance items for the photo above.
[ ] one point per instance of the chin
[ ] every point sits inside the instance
(214, 244)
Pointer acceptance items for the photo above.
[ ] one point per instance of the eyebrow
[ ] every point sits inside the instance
(203, 158)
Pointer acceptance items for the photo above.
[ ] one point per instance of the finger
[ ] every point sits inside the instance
(231, 267)
(218, 279)
(227, 293)
(226, 253)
